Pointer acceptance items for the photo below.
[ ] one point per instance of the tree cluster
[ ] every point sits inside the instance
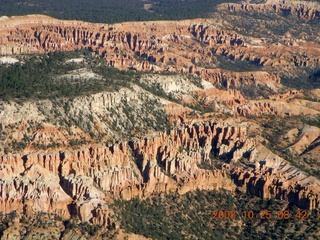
(112, 11)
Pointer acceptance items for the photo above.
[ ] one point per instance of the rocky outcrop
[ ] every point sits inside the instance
(182, 47)
(80, 182)
(290, 107)
(33, 190)
(83, 182)
(54, 182)
(288, 95)
(309, 134)
(279, 183)
(302, 9)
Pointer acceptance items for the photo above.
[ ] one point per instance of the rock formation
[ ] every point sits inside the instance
(302, 9)
(78, 182)
(183, 47)
(82, 181)
(278, 183)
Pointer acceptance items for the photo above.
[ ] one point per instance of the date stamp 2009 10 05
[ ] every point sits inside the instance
(263, 214)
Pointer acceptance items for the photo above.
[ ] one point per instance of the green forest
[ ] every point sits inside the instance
(41, 77)
(111, 11)
(190, 216)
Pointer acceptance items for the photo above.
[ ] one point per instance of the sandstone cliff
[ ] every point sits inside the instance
(79, 182)
(182, 47)
(74, 156)
(302, 9)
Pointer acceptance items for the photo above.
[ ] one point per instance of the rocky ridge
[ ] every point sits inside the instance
(306, 10)
(81, 181)
(184, 47)
(189, 47)
(110, 116)
(52, 173)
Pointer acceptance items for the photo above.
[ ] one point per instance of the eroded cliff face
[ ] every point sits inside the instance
(63, 123)
(302, 9)
(191, 47)
(61, 165)
(188, 46)
(81, 182)
(281, 184)
(123, 170)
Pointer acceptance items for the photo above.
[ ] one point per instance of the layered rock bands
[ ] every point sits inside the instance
(188, 46)
(82, 182)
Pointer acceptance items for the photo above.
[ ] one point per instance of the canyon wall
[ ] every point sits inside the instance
(80, 182)
(306, 10)
(187, 46)
(85, 181)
